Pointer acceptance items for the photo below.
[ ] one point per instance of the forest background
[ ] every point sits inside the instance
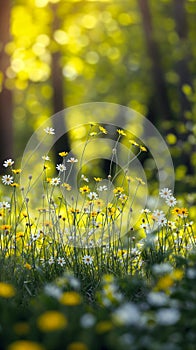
(140, 53)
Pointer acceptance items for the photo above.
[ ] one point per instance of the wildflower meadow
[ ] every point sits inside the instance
(97, 175)
(77, 274)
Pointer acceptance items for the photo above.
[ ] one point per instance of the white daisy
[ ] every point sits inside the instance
(35, 236)
(61, 261)
(135, 251)
(72, 160)
(189, 224)
(167, 316)
(127, 314)
(55, 181)
(52, 290)
(162, 221)
(158, 214)
(4, 205)
(51, 261)
(102, 188)
(61, 167)
(165, 193)
(146, 211)
(157, 298)
(7, 179)
(87, 320)
(49, 130)
(74, 282)
(123, 197)
(84, 178)
(171, 201)
(92, 195)
(8, 162)
(146, 227)
(87, 259)
(162, 268)
(47, 158)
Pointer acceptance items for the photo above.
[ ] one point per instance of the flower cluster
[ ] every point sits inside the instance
(78, 253)
(168, 197)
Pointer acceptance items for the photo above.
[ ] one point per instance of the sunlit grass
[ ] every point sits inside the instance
(79, 263)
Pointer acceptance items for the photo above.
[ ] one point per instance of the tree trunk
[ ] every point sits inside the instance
(182, 65)
(6, 133)
(161, 101)
(58, 91)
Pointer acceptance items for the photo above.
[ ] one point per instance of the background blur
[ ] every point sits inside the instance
(139, 53)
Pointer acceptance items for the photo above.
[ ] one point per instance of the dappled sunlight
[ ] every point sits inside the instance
(97, 175)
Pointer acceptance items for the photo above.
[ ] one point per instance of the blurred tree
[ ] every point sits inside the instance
(182, 69)
(73, 52)
(6, 138)
(160, 106)
(58, 86)
(184, 57)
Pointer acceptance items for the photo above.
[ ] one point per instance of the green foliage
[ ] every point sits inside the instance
(103, 56)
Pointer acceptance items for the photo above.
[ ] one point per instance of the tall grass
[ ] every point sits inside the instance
(80, 250)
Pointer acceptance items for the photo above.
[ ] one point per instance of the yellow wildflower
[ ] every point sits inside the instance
(97, 179)
(184, 212)
(111, 210)
(118, 190)
(6, 290)
(16, 171)
(42, 210)
(107, 278)
(123, 198)
(130, 179)
(121, 252)
(140, 180)
(51, 321)
(48, 223)
(98, 202)
(180, 211)
(103, 130)
(5, 227)
(67, 186)
(121, 132)
(134, 143)
(27, 266)
(15, 184)
(63, 154)
(164, 283)
(176, 211)
(74, 211)
(77, 346)
(144, 149)
(19, 235)
(177, 274)
(93, 214)
(24, 345)
(70, 298)
(104, 326)
(84, 189)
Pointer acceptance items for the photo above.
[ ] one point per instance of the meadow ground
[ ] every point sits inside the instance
(76, 275)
